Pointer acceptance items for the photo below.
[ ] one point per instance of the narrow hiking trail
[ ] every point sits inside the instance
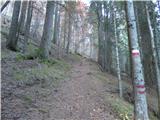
(80, 95)
(81, 98)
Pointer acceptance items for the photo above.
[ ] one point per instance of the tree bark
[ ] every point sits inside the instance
(140, 110)
(147, 60)
(47, 30)
(12, 41)
(69, 34)
(155, 58)
(21, 22)
(65, 30)
(27, 25)
(23, 15)
(117, 58)
(55, 25)
(99, 33)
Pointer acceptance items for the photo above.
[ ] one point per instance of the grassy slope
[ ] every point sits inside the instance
(121, 107)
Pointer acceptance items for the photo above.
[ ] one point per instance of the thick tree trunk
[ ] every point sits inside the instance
(5, 5)
(27, 25)
(155, 58)
(141, 112)
(12, 41)
(21, 22)
(117, 58)
(47, 30)
(23, 14)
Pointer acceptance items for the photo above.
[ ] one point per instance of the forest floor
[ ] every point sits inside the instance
(72, 88)
(29, 92)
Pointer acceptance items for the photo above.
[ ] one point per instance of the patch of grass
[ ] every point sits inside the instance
(50, 72)
(28, 99)
(33, 54)
(123, 109)
(48, 62)
(43, 110)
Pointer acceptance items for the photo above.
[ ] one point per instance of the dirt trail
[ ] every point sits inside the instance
(80, 98)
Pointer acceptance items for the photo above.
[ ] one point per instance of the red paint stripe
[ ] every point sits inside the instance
(141, 92)
(140, 86)
(135, 53)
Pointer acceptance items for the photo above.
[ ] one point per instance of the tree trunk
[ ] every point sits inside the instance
(147, 60)
(23, 14)
(47, 30)
(155, 58)
(141, 112)
(12, 41)
(99, 34)
(117, 58)
(58, 35)
(5, 5)
(22, 18)
(55, 25)
(69, 34)
(27, 25)
(65, 30)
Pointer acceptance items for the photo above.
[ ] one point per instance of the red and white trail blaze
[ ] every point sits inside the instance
(141, 89)
(135, 53)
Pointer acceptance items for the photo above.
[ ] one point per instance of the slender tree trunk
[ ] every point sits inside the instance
(141, 112)
(47, 30)
(58, 36)
(58, 27)
(65, 30)
(100, 34)
(12, 41)
(5, 5)
(27, 25)
(55, 34)
(155, 58)
(69, 34)
(117, 58)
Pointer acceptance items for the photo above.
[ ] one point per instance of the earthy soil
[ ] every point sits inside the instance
(79, 97)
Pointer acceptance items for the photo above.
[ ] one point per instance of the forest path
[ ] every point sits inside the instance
(31, 90)
(81, 98)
